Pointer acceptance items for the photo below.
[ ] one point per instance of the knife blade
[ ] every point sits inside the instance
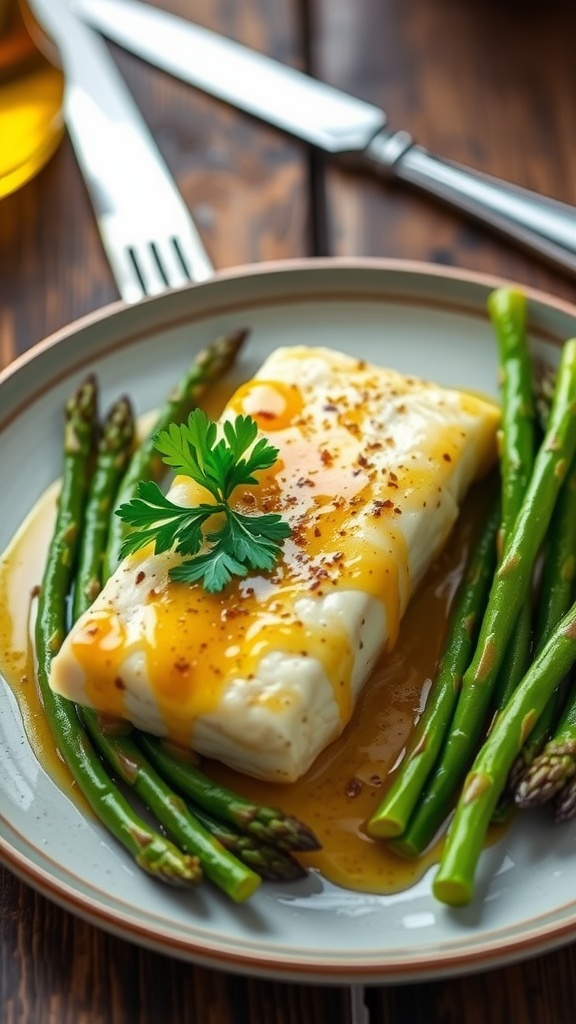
(331, 120)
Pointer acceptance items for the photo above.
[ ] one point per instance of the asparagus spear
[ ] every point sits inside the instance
(507, 309)
(197, 833)
(123, 755)
(151, 850)
(508, 592)
(565, 802)
(267, 824)
(455, 878)
(392, 816)
(551, 770)
(114, 448)
(146, 463)
(528, 773)
(272, 864)
(120, 751)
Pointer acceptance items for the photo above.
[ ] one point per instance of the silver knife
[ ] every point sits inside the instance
(331, 120)
(147, 232)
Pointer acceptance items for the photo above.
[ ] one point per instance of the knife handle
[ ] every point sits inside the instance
(544, 225)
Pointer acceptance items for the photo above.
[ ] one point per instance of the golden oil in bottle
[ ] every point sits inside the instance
(31, 97)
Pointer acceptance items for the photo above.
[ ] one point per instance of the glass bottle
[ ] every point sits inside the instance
(31, 96)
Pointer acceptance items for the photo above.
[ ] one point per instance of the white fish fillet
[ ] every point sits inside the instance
(373, 467)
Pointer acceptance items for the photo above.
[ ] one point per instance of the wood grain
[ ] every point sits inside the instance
(490, 83)
(245, 184)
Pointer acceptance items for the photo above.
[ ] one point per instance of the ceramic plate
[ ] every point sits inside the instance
(418, 320)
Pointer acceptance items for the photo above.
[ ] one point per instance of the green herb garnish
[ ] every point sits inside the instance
(243, 543)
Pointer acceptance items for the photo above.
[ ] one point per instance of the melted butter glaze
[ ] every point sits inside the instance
(339, 481)
(347, 781)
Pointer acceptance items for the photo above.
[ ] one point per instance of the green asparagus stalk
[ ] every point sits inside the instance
(120, 751)
(555, 599)
(507, 309)
(113, 453)
(272, 864)
(454, 882)
(236, 864)
(267, 824)
(508, 592)
(551, 770)
(229, 873)
(565, 801)
(146, 463)
(151, 850)
(393, 814)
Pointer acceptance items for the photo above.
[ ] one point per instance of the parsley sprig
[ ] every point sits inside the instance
(241, 543)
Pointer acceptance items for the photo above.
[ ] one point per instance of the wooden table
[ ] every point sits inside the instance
(491, 83)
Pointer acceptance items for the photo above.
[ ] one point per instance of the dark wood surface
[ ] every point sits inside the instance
(490, 83)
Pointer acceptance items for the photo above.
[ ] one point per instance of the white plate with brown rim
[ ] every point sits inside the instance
(420, 320)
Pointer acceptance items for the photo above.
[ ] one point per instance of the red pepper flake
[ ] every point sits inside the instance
(140, 576)
(326, 458)
(119, 683)
(353, 788)
(447, 457)
(182, 665)
(378, 506)
(319, 576)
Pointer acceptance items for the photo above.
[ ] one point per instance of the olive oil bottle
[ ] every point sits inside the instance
(31, 96)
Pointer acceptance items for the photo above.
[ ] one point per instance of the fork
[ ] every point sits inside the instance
(148, 234)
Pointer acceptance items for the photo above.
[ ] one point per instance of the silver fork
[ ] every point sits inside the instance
(148, 234)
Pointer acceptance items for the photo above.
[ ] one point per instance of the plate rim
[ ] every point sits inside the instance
(418, 966)
(282, 267)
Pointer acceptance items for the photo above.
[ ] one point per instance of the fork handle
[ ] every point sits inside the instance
(119, 160)
(539, 223)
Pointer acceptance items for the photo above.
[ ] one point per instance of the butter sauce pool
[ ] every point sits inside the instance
(346, 783)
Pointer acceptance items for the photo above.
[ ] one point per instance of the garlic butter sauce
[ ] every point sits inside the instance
(346, 783)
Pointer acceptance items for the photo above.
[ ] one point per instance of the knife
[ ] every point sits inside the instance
(331, 120)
